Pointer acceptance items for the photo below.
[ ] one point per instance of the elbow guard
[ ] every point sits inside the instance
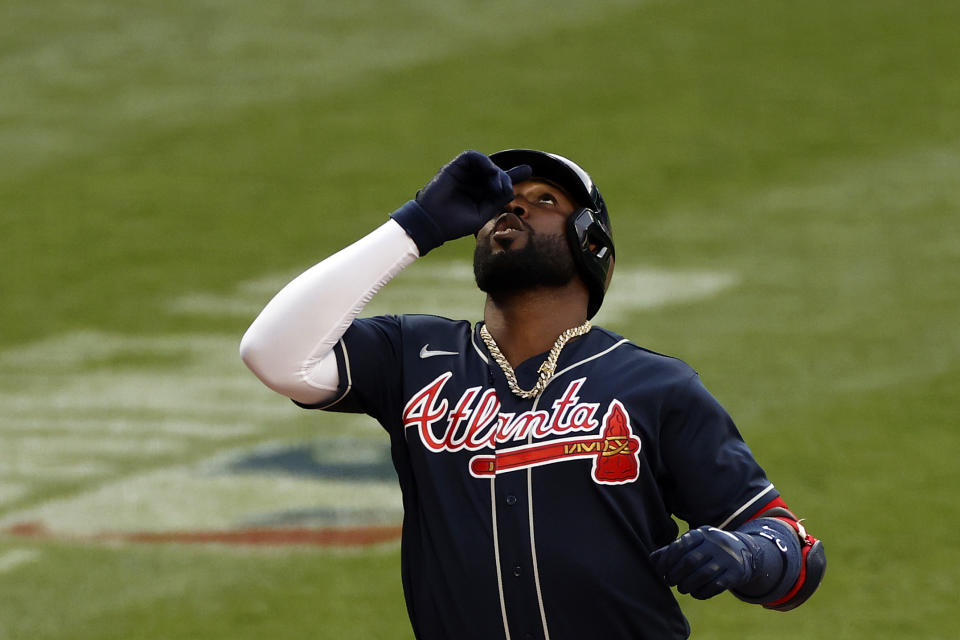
(806, 561)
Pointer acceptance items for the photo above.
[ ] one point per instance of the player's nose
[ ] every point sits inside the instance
(517, 206)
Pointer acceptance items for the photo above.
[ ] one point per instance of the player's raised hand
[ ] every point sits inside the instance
(707, 561)
(460, 198)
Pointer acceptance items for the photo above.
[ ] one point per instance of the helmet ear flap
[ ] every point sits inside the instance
(592, 249)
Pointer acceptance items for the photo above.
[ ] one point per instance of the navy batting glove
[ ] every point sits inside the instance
(707, 561)
(464, 194)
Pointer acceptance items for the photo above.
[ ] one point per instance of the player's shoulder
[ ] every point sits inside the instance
(629, 357)
(425, 322)
(411, 335)
(422, 328)
(415, 321)
(410, 326)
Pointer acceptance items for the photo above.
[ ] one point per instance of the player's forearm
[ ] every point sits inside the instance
(287, 345)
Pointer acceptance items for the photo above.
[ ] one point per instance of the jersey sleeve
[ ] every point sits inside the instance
(369, 359)
(712, 476)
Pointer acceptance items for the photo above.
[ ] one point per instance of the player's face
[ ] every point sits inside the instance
(537, 208)
(525, 246)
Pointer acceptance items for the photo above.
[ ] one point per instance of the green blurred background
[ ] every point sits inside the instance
(157, 158)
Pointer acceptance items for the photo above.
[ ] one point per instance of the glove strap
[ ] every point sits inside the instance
(813, 564)
(802, 557)
(779, 561)
(419, 226)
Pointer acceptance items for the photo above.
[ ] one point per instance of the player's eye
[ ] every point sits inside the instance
(547, 198)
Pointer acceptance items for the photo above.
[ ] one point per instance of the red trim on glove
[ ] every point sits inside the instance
(806, 541)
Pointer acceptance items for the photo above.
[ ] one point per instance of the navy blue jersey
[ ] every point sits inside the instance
(535, 518)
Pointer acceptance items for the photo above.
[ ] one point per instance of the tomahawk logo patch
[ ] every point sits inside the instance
(475, 423)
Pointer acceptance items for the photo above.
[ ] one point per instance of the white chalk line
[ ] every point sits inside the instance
(16, 558)
(203, 430)
(183, 498)
(10, 491)
(83, 445)
(46, 467)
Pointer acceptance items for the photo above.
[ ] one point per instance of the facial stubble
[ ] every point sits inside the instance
(544, 261)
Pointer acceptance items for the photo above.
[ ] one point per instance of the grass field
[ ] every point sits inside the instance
(783, 183)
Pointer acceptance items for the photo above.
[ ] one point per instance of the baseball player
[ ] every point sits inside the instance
(540, 457)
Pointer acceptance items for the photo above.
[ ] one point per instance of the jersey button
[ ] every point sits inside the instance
(517, 570)
(511, 499)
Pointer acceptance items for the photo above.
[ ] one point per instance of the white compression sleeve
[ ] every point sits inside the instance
(290, 344)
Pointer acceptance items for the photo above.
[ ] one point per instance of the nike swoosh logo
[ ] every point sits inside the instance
(425, 352)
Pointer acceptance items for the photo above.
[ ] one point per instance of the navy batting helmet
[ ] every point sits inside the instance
(588, 228)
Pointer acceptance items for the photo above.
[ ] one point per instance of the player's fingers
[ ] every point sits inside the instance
(701, 579)
(659, 560)
(487, 182)
(520, 173)
(505, 188)
(687, 565)
(470, 160)
(470, 169)
(713, 587)
(683, 549)
(493, 193)
(666, 558)
(676, 560)
(691, 539)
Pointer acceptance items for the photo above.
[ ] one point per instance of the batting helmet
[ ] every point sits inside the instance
(588, 228)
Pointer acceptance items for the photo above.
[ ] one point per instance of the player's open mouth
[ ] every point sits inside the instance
(507, 225)
(505, 233)
(506, 236)
(508, 232)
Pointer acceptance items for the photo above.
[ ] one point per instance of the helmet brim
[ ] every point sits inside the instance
(553, 168)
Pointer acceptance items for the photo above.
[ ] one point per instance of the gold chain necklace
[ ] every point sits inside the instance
(546, 370)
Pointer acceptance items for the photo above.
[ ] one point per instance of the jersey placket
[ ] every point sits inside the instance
(513, 515)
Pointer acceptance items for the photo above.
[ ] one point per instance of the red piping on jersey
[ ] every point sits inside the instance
(776, 502)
